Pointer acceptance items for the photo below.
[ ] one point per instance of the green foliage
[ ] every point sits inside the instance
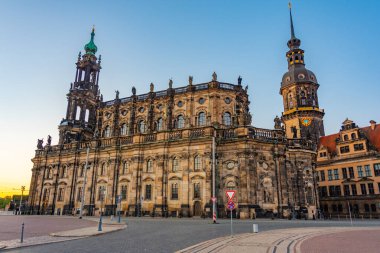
(4, 201)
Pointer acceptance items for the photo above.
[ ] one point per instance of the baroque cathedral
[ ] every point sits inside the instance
(152, 154)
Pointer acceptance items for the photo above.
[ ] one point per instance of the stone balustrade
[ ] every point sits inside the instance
(259, 134)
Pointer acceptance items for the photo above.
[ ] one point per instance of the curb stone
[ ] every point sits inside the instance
(53, 238)
(83, 232)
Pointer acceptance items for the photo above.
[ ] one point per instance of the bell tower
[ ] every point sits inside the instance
(302, 116)
(83, 97)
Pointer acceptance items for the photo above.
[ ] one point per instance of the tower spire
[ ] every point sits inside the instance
(291, 21)
(293, 43)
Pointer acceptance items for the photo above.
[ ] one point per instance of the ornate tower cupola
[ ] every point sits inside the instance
(302, 116)
(295, 54)
(83, 97)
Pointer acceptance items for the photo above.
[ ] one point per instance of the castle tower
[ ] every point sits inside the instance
(83, 97)
(302, 116)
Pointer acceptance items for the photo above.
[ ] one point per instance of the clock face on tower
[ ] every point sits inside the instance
(306, 121)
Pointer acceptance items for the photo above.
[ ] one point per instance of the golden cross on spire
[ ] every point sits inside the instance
(93, 28)
(290, 5)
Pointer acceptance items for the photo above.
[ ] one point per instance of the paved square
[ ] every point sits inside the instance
(10, 226)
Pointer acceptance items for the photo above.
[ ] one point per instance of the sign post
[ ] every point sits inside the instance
(119, 207)
(141, 203)
(349, 210)
(213, 209)
(230, 205)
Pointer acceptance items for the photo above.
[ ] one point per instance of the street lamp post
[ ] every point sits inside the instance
(84, 185)
(101, 209)
(22, 194)
(213, 179)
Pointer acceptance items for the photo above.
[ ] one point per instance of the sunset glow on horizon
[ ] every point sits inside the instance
(143, 42)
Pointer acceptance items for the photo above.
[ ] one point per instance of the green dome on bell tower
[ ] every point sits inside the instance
(90, 47)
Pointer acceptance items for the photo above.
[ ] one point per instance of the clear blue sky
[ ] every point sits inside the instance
(152, 41)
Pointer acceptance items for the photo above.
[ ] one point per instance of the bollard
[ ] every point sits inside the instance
(118, 220)
(22, 232)
(255, 228)
(100, 224)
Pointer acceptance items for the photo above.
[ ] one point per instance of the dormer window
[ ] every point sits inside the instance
(345, 137)
(358, 147)
(353, 136)
(344, 149)
(301, 76)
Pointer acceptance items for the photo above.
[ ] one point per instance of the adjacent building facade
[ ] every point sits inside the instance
(152, 153)
(349, 171)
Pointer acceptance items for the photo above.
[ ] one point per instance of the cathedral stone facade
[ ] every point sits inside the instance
(151, 154)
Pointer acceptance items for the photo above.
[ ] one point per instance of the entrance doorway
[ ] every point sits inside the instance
(197, 208)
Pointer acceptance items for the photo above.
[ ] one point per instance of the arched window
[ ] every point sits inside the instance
(46, 195)
(197, 163)
(79, 194)
(290, 101)
(345, 137)
(61, 194)
(123, 192)
(175, 164)
(103, 170)
(107, 132)
(124, 129)
(303, 98)
(174, 191)
(201, 119)
(180, 122)
(149, 166)
(227, 119)
(197, 190)
(64, 171)
(353, 136)
(77, 113)
(159, 124)
(87, 115)
(148, 192)
(141, 126)
(125, 168)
